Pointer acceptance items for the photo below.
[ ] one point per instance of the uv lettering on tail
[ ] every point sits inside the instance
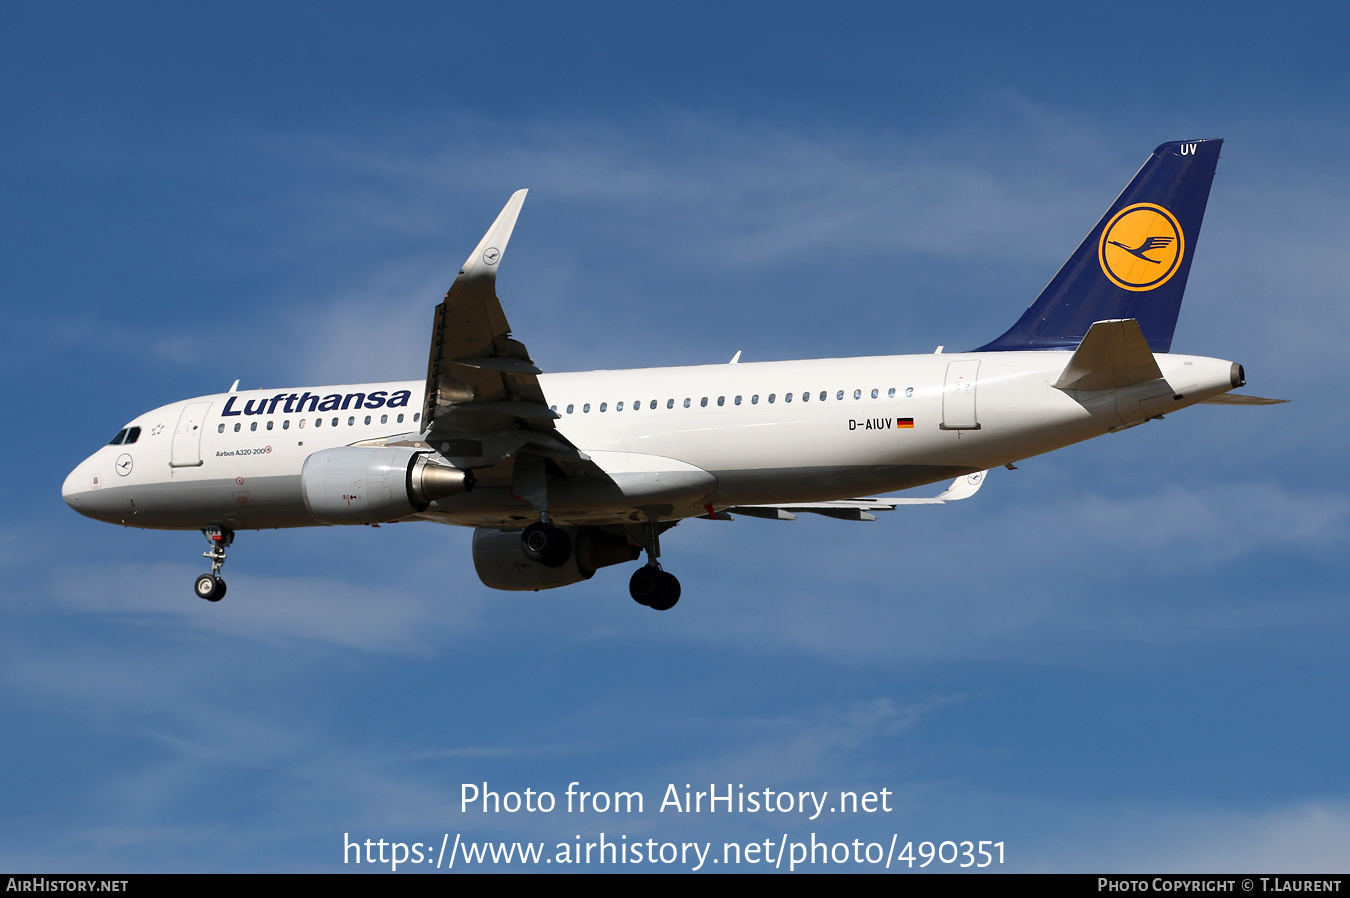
(1134, 263)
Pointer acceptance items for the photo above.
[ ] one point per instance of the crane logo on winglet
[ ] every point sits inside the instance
(1141, 247)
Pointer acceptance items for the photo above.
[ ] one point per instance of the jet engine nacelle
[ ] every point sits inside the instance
(501, 563)
(370, 485)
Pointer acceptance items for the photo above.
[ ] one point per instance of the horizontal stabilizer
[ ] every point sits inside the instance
(861, 509)
(1113, 354)
(1239, 399)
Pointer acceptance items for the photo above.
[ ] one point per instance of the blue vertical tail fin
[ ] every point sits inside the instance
(1134, 263)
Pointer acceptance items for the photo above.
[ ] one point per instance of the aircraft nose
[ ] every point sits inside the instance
(77, 487)
(70, 490)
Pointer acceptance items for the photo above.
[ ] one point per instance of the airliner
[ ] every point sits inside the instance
(563, 474)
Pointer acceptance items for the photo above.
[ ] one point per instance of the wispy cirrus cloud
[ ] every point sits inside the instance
(329, 610)
(1297, 838)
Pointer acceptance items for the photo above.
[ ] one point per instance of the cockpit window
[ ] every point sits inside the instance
(133, 434)
(117, 440)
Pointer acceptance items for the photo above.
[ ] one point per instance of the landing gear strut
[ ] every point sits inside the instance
(210, 586)
(650, 585)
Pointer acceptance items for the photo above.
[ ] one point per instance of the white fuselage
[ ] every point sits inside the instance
(681, 440)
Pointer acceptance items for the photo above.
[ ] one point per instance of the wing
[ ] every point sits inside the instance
(484, 407)
(858, 509)
(479, 379)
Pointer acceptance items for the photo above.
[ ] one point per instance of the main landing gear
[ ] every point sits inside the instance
(650, 585)
(655, 588)
(210, 586)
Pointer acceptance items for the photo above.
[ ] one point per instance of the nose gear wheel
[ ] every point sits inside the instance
(211, 587)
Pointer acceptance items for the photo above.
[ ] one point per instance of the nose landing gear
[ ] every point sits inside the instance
(210, 586)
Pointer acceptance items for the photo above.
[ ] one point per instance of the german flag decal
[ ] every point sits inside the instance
(904, 423)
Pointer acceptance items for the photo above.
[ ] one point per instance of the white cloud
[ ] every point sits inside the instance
(994, 578)
(1311, 837)
(809, 748)
(325, 610)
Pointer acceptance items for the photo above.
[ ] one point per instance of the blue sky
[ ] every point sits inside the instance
(1127, 655)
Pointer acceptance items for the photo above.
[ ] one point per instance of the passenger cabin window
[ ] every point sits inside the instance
(253, 425)
(874, 393)
(839, 395)
(891, 393)
(857, 394)
(236, 427)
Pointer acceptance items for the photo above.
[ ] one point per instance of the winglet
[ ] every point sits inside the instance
(482, 262)
(963, 487)
(1113, 354)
